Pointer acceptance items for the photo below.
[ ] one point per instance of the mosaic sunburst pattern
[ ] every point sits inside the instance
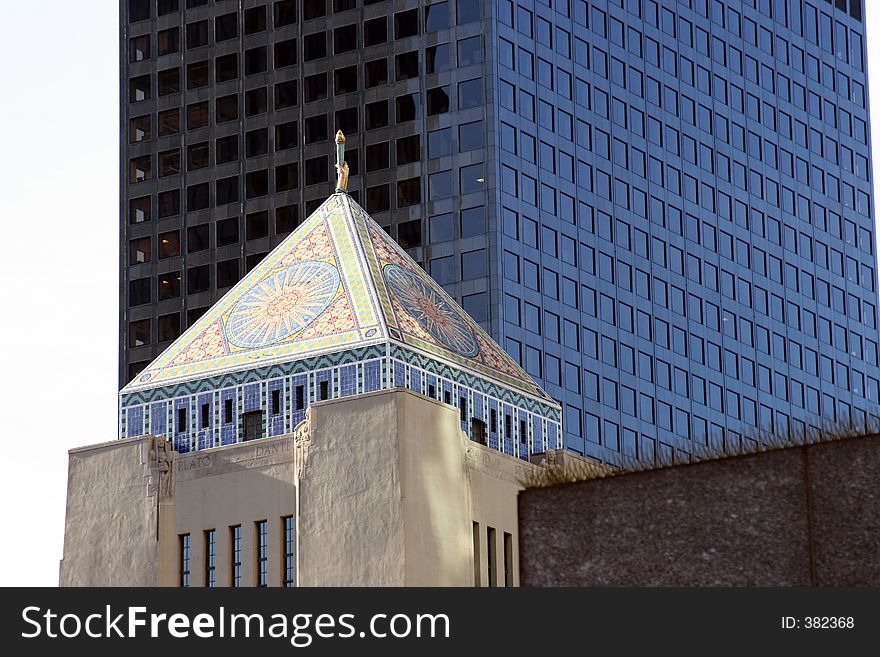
(432, 313)
(282, 304)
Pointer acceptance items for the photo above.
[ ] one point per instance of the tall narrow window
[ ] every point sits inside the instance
(289, 564)
(206, 415)
(211, 558)
(491, 569)
(508, 559)
(477, 578)
(300, 398)
(462, 408)
(276, 402)
(324, 388)
(235, 556)
(227, 411)
(184, 559)
(262, 535)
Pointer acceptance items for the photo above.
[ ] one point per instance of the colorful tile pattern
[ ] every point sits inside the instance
(338, 309)
(337, 282)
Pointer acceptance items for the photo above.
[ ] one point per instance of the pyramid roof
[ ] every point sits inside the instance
(337, 282)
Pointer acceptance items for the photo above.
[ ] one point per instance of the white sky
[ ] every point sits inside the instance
(59, 259)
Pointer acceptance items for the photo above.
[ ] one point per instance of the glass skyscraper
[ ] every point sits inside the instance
(661, 209)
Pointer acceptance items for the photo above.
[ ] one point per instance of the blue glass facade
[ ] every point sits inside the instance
(683, 241)
(660, 208)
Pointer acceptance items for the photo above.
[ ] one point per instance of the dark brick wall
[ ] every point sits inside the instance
(800, 516)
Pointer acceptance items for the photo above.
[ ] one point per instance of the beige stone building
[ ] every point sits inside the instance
(382, 489)
(335, 419)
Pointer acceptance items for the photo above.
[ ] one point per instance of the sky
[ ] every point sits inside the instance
(59, 212)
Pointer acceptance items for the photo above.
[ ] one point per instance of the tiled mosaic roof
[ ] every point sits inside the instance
(338, 282)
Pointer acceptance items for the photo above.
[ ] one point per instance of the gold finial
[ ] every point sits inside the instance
(341, 164)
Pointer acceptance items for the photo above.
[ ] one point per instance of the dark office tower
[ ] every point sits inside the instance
(662, 210)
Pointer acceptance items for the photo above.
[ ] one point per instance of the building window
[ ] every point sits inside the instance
(226, 109)
(375, 73)
(378, 199)
(300, 398)
(197, 75)
(169, 244)
(408, 150)
(226, 68)
(478, 431)
(139, 48)
(139, 89)
(324, 390)
(508, 559)
(314, 46)
(409, 192)
(168, 122)
(227, 411)
(168, 41)
(286, 219)
(345, 80)
(138, 10)
(140, 250)
(139, 333)
(262, 535)
(197, 115)
(476, 532)
(225, 27)
(375, 31)
(211, 558)
(253, 425)
(407, 108)
(227, 231)
(169, 326)
(169, 163)
(184, 560)
(139, 210)
(376, 115)
(437, 17)
(139, 292)
(255, 20)
(235, 556)
(206, 413)
(139, 129)
(169, 81)
(491, 570)
(164, 7)
(276, 402)
(438, 100)
(140, 169)
(467, 11)
(406, 23)
(197, 156)
(284, 13)
(406, 66)
(196, 35)
(256, 142)
(255, 60)
(227, 273)
(289, 564)
(437, 58)
(169, 203)
(409, 234)
(198, 279)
